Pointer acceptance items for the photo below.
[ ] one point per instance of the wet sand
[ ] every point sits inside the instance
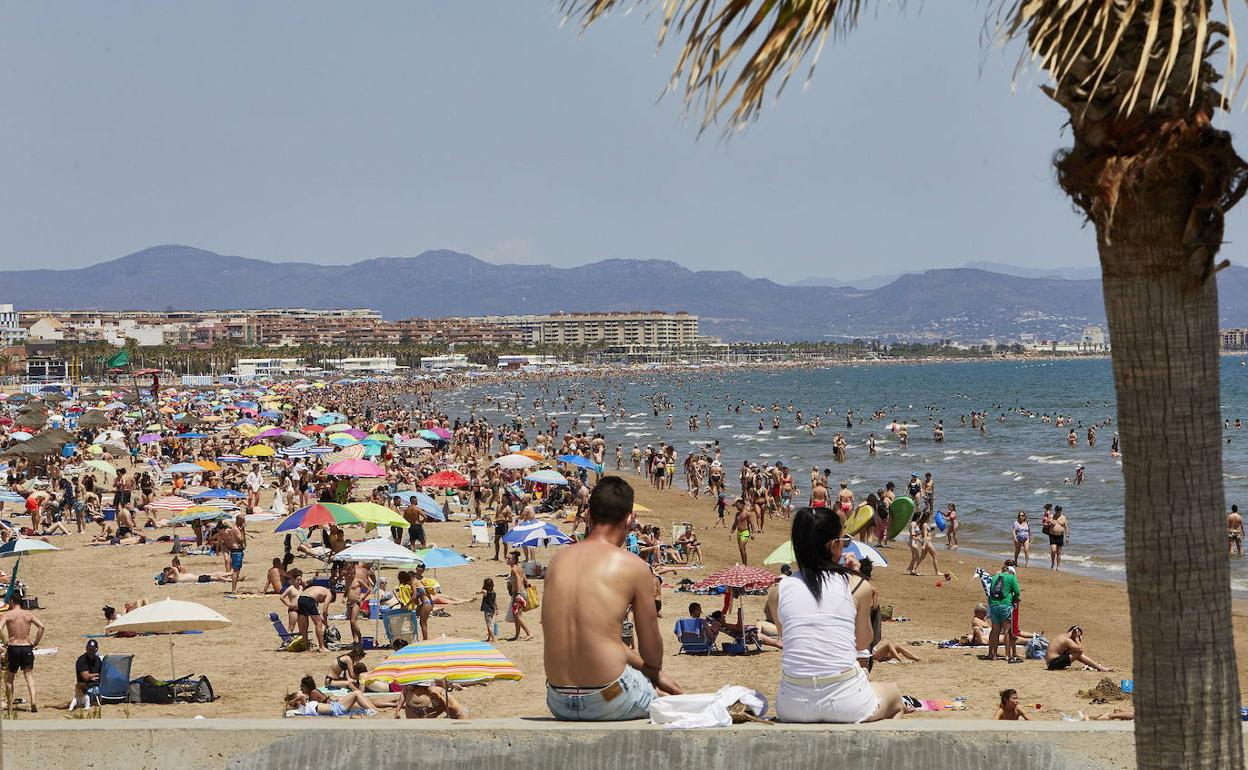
(250, 676)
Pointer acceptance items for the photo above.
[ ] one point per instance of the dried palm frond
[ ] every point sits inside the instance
(781, 33)
(1126, 58)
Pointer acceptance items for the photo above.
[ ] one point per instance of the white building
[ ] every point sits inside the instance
(363, 364)
(513, 362)
(442, 363)
(11, 332)
(267, 367)
(634, 329)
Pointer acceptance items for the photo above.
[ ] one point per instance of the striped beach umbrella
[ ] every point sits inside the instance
(318, 513)
(170, 503)
(455, 660)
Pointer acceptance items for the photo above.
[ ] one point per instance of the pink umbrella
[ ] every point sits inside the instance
(359, 468)
(356, 433)
(148, 438)
(442, 433)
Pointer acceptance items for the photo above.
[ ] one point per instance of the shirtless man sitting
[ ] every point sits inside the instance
(1066, 649)
(591, 675)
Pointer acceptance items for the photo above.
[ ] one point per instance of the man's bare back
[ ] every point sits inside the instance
(581, 615)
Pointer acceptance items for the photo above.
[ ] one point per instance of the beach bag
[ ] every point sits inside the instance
(333, 638)
(297, 644)
(998, 588)
(152, 690)
(531, 598)
(189, 690)
(1037, 648)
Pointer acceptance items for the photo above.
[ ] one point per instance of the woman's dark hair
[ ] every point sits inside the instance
(307, 683)
(813, 529)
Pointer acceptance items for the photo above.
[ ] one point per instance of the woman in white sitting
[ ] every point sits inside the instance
(823, 627)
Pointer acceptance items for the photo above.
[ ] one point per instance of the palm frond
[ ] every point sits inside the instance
(1126, 57)
(713, 70)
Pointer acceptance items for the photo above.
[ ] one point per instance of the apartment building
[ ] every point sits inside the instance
(628, 330)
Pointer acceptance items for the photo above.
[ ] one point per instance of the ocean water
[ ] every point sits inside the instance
(1021, 464)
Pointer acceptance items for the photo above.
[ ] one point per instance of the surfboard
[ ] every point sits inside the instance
(900, 512)
(859, 519)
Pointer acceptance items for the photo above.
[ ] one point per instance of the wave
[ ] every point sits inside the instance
(1051, 460)
(1042, 491)
(724, 427)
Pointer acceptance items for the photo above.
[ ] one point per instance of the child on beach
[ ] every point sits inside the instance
(489, 607)
(721, 505)
(1009, 706)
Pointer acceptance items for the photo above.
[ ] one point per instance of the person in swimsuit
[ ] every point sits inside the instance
(20, 651)
(1022, 539)
(1058, 529)
(342, 673)
(741, 527)
(1235, 531)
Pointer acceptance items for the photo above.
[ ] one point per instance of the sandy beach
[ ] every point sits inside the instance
(250, 676)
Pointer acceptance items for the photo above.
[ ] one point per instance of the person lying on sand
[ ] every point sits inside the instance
(171, 575)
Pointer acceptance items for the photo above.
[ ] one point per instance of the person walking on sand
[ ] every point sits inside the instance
(517, 583)
(20, 651)
(590, 587)
(742, 528)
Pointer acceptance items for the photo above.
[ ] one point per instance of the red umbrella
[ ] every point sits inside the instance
(312, 429)
(740, 576)
(445, 479)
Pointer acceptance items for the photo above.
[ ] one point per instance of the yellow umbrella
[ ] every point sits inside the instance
(208, 465)
(95, 449)
(372, 513)
(247, 430)
(259, 450)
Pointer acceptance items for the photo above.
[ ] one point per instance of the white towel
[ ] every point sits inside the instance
(705, 709)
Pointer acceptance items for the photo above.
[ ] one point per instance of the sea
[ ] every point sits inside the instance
(1021, 462)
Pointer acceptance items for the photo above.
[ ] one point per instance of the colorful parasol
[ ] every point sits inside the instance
(455, 660)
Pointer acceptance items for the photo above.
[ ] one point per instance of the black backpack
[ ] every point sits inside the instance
(998, 588)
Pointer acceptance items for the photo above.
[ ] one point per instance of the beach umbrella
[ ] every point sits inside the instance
(515, 462)
(21, 546)
(171, 503)
(199, 513)
(582, 462)
(449, 659)
(383, 438)
(863, 551)
(424, 502)
(337, 427)
(170, 616)
(115, 449)
(379, 550)
(413, 443)
(20, 435)
(148, 438)
(208, 465)
(538, 535)
(441, 433)
(547, 477)
(184, 468)
(259, 450)
(356, 434)
(343, 440)
(782, 555)
(192, 436)
(102, 466)
(372, 513)
(358, 468)
(445, 479)
(270, 433)
(93, 418)
(739, 576)
(317, 514)
(312, 429)
(441, 558)
(9, 496)
(219, 494)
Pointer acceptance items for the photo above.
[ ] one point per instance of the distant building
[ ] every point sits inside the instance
(47, 369)
(11, 331)
(1234, 339)
(621, 330)
(515, 362)
(363, 364)
(443, 363)
(1093, 340)
(267, 367)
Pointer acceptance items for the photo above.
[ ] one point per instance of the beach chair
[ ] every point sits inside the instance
(114, 679)
(280, 628)
(480, 533)
(740, 645)
(691, 633)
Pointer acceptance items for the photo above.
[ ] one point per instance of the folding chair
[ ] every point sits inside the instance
(114, 679)
(691, 633)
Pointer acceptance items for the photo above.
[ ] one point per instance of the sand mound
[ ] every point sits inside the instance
(1105, 690)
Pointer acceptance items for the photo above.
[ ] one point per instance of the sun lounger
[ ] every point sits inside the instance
(691, 633)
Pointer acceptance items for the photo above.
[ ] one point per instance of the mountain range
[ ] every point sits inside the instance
(878, 281)
(968, 304)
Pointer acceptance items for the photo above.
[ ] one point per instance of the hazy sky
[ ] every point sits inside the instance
(331, 132)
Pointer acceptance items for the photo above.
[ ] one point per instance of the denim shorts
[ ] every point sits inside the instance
(1000, 613)
(626, 698)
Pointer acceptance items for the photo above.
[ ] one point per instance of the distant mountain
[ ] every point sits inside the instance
(1069, 273)
(964, 304)
(870, 282)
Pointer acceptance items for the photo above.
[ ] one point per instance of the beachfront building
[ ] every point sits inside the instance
(518, 361)
(443, 363)
(1234, 339)
(264, 368)
(620, 330)
(11, 331)
(363, 364)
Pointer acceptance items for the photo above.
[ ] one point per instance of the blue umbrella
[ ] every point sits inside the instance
(219, 494)
(440, 558)
(233, 459)
(270, 414)
(863, 551)
(540, 535)
(191, 435)
(185, 468)
(583, 462)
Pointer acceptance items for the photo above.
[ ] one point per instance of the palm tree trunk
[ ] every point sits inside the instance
(1156, 248)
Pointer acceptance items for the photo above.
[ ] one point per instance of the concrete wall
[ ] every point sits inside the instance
(522, 744)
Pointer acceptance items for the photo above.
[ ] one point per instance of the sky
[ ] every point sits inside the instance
(331, 132)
